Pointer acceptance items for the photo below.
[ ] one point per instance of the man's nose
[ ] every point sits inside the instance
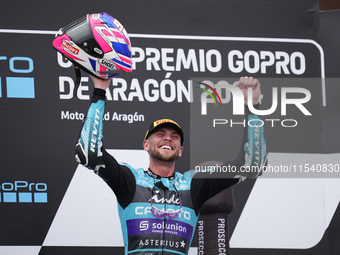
(167, 137)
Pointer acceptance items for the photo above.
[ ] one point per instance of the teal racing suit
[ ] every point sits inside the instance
(135, 189)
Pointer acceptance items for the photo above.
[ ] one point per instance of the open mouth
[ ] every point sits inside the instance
(166, 147)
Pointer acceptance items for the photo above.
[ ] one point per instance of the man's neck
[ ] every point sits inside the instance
(162, 168)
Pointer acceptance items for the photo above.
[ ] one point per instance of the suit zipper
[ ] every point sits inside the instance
(164, 222)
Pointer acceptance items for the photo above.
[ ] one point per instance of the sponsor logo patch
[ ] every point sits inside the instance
(108, 64)
(69, 48)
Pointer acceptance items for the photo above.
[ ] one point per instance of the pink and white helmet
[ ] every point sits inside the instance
(97, 43)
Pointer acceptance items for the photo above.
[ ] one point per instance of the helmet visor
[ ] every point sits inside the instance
(80, 33)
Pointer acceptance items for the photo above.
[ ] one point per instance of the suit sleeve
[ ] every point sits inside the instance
(247, 164)
(90, 152)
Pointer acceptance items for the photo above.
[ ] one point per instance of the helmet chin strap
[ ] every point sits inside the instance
(113, 71)
(78, 78)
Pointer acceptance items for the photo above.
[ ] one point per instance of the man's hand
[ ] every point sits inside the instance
(249, 82)
(99, 83)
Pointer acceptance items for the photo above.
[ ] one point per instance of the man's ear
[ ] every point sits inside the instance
(181, 151)
(146, 145)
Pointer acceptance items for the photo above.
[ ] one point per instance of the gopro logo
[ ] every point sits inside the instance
(18, 87)
(23, 192)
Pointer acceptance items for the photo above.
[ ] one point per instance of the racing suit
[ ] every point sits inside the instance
(135, 189)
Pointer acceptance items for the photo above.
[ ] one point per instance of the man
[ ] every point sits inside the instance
(159, 207)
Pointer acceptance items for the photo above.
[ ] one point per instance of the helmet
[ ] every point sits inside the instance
(97, 43)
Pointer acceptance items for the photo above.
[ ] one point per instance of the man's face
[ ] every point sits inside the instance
(164, 144)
